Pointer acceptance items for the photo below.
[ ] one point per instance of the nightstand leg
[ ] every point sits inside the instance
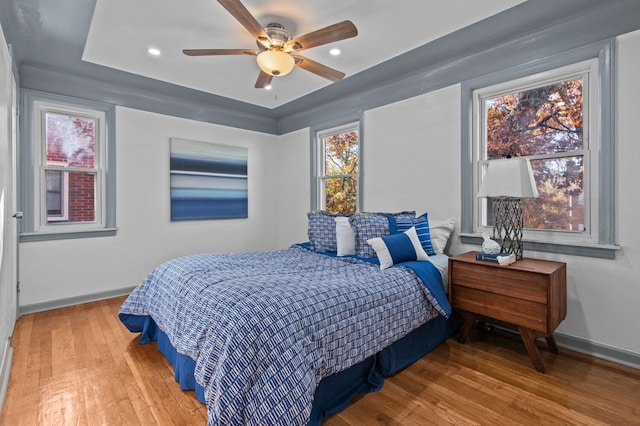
(468, 321)
(551, 343)
(529, 339)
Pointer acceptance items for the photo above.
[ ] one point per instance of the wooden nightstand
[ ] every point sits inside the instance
(530, 294)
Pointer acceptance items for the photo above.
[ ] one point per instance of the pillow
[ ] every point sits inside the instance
(398, 248)
(440, 233)
(322, 231)
(345, 238)
(421, 224)
(371, 225)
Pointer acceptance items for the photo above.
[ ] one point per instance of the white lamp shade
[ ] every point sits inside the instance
(275, 62)
(512, 177)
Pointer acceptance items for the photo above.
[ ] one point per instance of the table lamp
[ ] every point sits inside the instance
(508, 181)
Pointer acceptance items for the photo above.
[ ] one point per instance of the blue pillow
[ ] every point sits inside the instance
(421, 223)
(397, 248)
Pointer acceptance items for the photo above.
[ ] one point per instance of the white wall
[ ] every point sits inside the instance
(411, 160)
(411, 155)
(55, 270)
(294, 151)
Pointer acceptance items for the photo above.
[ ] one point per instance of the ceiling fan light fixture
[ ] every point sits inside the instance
(275, 62)
(276, 48)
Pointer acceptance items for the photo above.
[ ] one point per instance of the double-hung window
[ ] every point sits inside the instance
(561, 120)
(68, 191)
(338, 169)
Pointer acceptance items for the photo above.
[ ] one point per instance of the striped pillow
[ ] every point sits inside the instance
(421, 223)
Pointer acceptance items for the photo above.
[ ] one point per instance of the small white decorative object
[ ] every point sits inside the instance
(489, 246)
(507, 259)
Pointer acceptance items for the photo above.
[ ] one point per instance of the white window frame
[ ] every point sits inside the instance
(601, 242)
(320, 175)
(588, 72)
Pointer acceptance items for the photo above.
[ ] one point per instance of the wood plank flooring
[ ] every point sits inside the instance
(80, 366)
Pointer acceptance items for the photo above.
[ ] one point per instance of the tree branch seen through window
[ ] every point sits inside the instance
(544, 123)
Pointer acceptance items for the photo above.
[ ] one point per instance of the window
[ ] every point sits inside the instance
(542, 119)
(69, 191)
(338, 169)
(69, 152)
(558, 115)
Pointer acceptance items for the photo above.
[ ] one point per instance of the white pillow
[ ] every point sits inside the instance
(440, 233)
(397, 248)
(345, 237)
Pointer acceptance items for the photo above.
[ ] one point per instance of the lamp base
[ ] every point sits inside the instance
(507, 228)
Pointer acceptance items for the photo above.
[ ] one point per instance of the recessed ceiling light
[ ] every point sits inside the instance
(335, 51)
(153, 51)
(268, 87)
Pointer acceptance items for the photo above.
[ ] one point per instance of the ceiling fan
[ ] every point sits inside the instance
(278, 51)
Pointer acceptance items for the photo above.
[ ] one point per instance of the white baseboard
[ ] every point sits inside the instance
(5, 370)
(71, 301)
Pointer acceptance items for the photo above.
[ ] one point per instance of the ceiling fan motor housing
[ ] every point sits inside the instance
(278, 34)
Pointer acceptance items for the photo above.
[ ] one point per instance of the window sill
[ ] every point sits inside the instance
(601, 251)
(51, 236)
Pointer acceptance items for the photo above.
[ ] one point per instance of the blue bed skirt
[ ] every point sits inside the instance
(336, 391)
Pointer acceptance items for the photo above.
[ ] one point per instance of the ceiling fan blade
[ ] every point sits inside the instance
(209, 52)
(319, 69)
(237, 9)
(263, 80)
(335, 32)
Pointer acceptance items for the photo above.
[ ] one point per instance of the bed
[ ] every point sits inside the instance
(290, 336)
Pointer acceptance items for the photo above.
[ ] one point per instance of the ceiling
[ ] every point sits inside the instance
(97, 50)
(121, 31)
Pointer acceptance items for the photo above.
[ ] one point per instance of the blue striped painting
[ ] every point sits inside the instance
(208, 181)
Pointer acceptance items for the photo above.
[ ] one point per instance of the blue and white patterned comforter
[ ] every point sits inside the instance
(265, 328)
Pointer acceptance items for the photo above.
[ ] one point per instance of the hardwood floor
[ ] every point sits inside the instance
(80, 366)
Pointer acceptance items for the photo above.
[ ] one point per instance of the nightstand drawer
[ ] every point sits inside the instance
(505, 308)
(505, 281)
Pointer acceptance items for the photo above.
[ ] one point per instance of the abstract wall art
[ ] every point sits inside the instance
(208, 181)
